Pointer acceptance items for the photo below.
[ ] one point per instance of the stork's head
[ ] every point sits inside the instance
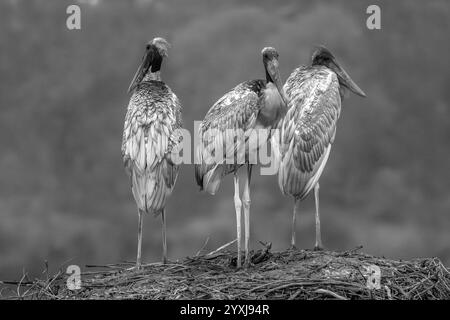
(161, 45)
(270, 60)
(323, 57)
(154, 53)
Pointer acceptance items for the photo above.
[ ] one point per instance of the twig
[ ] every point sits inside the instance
(222, 247)
(331, 293)
(348, 252)
(20, 282)
(112, 266)
(263, 254)
(292, 297)
(295, 284)
(202, 248)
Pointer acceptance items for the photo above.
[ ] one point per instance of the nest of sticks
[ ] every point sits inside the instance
(291, 274)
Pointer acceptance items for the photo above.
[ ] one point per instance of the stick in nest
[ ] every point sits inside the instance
(331, 293)
(259, 257)
(203, 247)
(222, 247)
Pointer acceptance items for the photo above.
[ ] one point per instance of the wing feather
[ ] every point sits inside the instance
(150, 133)
(308, 129)
(235, 113)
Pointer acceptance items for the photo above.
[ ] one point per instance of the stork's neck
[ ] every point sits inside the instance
(155, 76)
(268, 78)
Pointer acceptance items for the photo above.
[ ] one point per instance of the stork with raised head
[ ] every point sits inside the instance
(252, 105)
(314, 95)
(151, 132)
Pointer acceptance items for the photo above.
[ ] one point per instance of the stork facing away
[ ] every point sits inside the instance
(314, 95)
(151, 132)
(252, 105)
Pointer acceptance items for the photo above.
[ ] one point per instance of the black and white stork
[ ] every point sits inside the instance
(314, 94)
(250, 106)
(151, 132)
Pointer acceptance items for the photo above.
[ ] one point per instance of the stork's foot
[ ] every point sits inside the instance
(293, 247)
(247, 263)
(318, 247)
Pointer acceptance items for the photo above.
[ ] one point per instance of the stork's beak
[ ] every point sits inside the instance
(142, 70)
(274, 73)
(345, 79)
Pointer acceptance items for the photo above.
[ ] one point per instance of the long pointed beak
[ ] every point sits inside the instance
(141, 71)
(274, 72)
(348, 82)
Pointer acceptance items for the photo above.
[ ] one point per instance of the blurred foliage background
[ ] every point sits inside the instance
(65, 197)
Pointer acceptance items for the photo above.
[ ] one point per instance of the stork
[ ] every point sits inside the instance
(151, 132)
(314, 95)
(252, 105)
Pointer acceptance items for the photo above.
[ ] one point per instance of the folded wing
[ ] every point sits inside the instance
(224, 133)
(308, 129)
(151, 133)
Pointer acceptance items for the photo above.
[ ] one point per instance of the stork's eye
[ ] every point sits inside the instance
(147, 47)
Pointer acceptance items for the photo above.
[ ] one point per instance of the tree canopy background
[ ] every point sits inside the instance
(65, 197)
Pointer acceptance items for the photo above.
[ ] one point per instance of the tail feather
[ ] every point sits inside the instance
(199, 175)
(209, 177)
(212, 179)
(293, 181)
(150, 190)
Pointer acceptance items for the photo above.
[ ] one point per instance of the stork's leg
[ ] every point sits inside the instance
(294, 216)
(237, 206)
(140, 223)
(318, 245)
(246, 200)
(164, 241)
